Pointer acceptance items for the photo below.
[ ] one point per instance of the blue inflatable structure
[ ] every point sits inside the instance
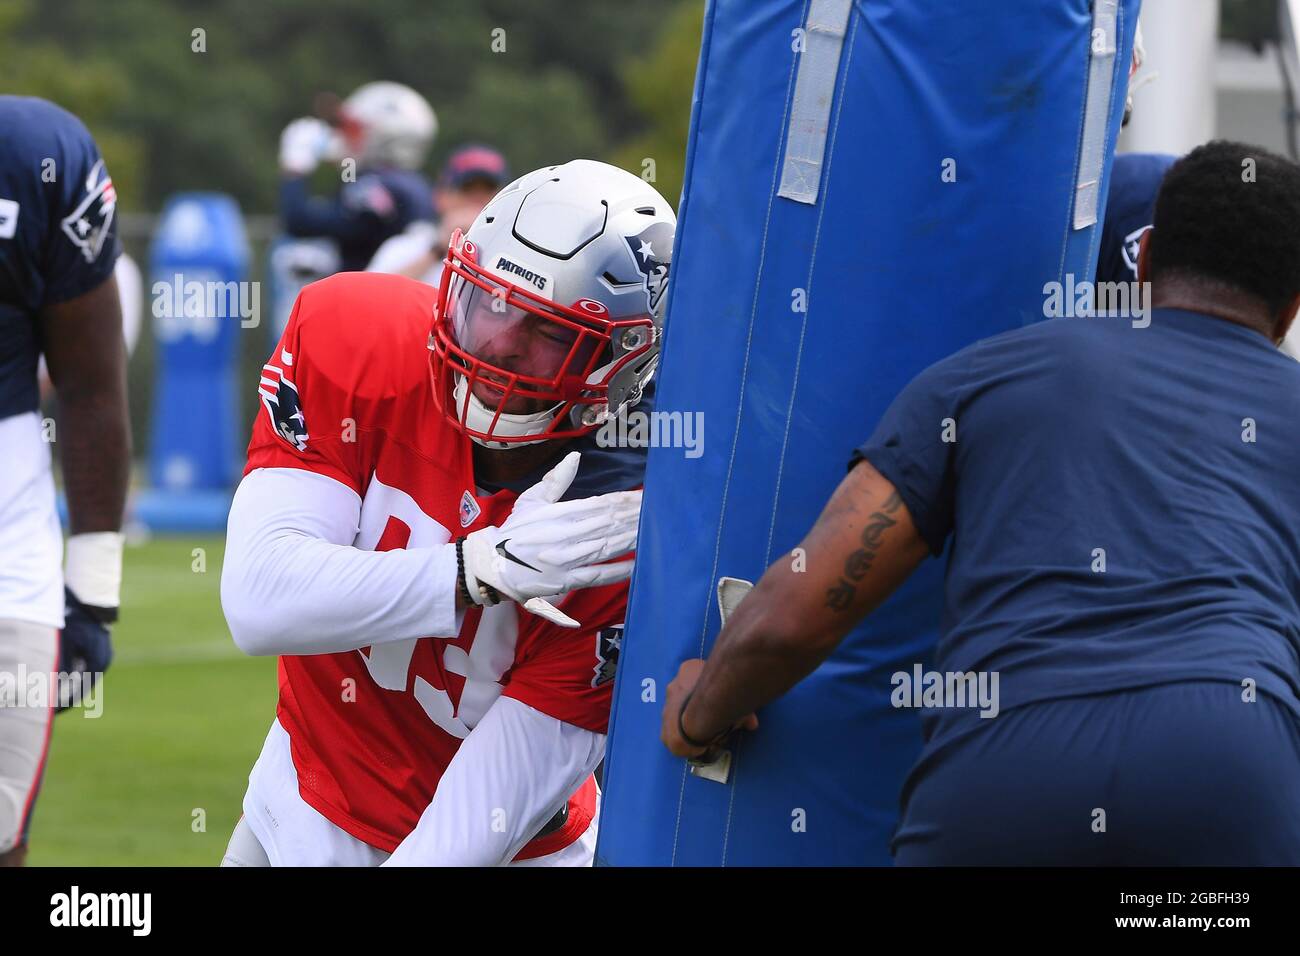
(199, 299)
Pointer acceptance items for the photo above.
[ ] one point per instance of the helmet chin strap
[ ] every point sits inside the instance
(479, 417)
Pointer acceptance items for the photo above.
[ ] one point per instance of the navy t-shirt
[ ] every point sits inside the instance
(58, 236)
(1135, 180)
(1169, 453)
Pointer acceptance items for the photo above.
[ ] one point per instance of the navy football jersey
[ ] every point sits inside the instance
(58, 238)
(1130, 206)
(379, 205)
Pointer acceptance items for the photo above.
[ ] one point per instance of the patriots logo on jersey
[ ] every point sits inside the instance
(280, 397)
(652, 251)
(89, 224)
(1132, 243)
(609, 641)
(369, 194)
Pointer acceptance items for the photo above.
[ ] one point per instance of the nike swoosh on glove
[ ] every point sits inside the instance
(84, 648)
(548, 547)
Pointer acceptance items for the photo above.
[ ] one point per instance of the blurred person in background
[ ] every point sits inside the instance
(470, 178)
(386, 129)
(59, 298)
(1130, 207)
(1134, 181)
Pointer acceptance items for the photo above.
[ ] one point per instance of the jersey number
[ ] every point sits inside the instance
(390, 519)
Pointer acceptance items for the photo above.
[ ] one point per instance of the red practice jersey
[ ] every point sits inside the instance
(348, 394)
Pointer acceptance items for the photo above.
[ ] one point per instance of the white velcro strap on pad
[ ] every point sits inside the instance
(1096, 113)
(93, 568)
(814, 90)
(730, 593)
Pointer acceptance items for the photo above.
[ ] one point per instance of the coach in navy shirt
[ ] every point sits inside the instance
(1120, 506)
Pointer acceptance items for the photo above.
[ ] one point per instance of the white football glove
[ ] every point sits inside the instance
(549, 547)
(302, 145)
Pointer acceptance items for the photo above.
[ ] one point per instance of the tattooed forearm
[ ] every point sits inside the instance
(841, 596)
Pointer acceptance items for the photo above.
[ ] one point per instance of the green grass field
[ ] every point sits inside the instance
(158, 778)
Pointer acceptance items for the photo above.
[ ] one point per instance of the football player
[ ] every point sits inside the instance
(58, 246)
(440, 573)
(386, 129)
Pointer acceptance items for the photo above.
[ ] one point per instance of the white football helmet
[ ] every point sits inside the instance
(550, 309)
(388, 124)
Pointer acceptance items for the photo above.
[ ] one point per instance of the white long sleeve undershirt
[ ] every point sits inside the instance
(512, 774)
(292, 582)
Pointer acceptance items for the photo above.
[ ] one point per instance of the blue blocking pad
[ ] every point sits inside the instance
(870, 186)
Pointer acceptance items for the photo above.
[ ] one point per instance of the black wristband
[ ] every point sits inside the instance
(682, 730)
(461, 588)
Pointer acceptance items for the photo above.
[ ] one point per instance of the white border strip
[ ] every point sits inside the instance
(814, 89)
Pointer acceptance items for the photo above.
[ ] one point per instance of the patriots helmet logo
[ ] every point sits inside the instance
(609, 641)
(652, 251)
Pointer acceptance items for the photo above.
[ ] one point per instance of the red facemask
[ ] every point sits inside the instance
(521, 354)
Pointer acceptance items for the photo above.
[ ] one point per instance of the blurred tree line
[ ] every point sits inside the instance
(565, 78)
(594, 78)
